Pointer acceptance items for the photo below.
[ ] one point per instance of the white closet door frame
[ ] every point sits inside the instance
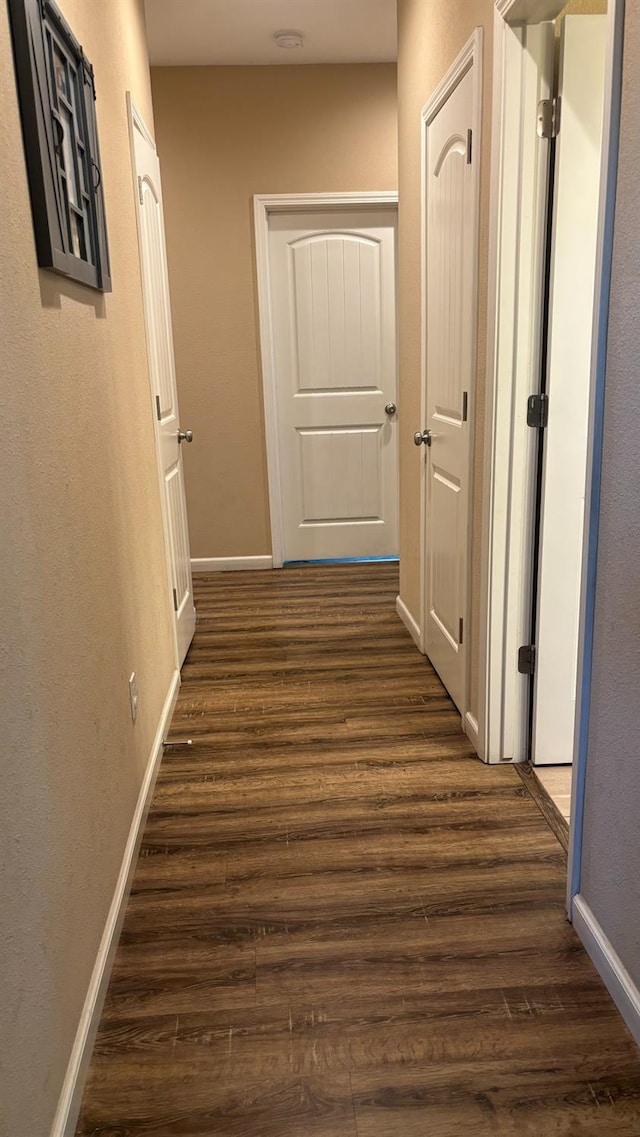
(263, 206)
(523, 74)
(469, 58)
(503, 508)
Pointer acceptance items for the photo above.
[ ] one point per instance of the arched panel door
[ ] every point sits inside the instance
(333, 305)
(451, 188)
(157, 312)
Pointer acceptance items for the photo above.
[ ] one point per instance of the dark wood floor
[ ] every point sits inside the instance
(342, 924)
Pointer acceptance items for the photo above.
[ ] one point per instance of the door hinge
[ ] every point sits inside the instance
(527, 659)
(140, 190)
(465, 405)
(175, 600)
(469, 146)
(538, 411)
(461, 631)
(158, 410)
(549, 118)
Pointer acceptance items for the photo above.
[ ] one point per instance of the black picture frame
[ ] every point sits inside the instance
(56, 91)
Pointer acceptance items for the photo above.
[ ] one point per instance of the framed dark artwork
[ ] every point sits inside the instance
(56, 91)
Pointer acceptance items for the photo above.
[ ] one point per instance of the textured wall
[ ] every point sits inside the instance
(224, 134)
(83, 584)
(430, 37)
(611, 843)
(584, 8)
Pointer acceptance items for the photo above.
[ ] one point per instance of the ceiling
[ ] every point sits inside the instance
(223, 32)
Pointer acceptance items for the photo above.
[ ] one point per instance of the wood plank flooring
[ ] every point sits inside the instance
(342, 924)
(545, 801)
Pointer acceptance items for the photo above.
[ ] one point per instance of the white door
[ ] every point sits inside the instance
(571, 307)
(451, 188)
(334, 332)
(157, 313)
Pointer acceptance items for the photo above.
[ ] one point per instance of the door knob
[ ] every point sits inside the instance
(422, 436)
(185, 436)
(390, 409)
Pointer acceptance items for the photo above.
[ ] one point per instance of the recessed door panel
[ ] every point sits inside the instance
(335, 282)
(444, 574)
(447, 277)
(341, 474)
(179, 538)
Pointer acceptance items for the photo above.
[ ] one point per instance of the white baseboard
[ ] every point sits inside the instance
(66, 1118)
(410, 624)
(230, 564)
(472, 730)
(610, 967)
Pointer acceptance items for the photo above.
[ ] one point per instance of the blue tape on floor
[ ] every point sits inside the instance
(339, 561)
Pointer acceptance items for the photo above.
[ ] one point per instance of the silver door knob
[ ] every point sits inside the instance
(422, 436)
(185, 436)
(390, 409)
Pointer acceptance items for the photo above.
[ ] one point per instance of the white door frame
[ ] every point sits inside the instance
(516, 243)
(505, 561)
(136, 121)
(469, 57)
(263, 206)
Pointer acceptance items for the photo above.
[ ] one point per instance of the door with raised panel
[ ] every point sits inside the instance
(332, 279)
(451, 197)
(169, 436)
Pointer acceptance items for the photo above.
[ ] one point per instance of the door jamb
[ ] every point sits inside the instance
(497, 559)
(516, 240)
(469, 57)
(136, 121)
(263, 206)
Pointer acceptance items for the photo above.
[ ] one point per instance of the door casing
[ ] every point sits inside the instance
(263, 206)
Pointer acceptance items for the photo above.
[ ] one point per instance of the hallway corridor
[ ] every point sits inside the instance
(342, 924)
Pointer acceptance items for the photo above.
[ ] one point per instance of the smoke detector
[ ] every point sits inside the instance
(288, 39)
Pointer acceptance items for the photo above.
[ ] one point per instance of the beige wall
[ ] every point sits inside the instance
(611, 842)
(83, 586)
(430, 37)
(224, 134)
(584, 8)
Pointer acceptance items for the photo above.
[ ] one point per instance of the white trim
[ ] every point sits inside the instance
(298, 202)
(470, 56)
(410, 624)
(263, 205)
(66, 1117)
(136, 117)
(470, 727)
(230, 564)
(608, 964)
(523, 70)
(486, 684)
